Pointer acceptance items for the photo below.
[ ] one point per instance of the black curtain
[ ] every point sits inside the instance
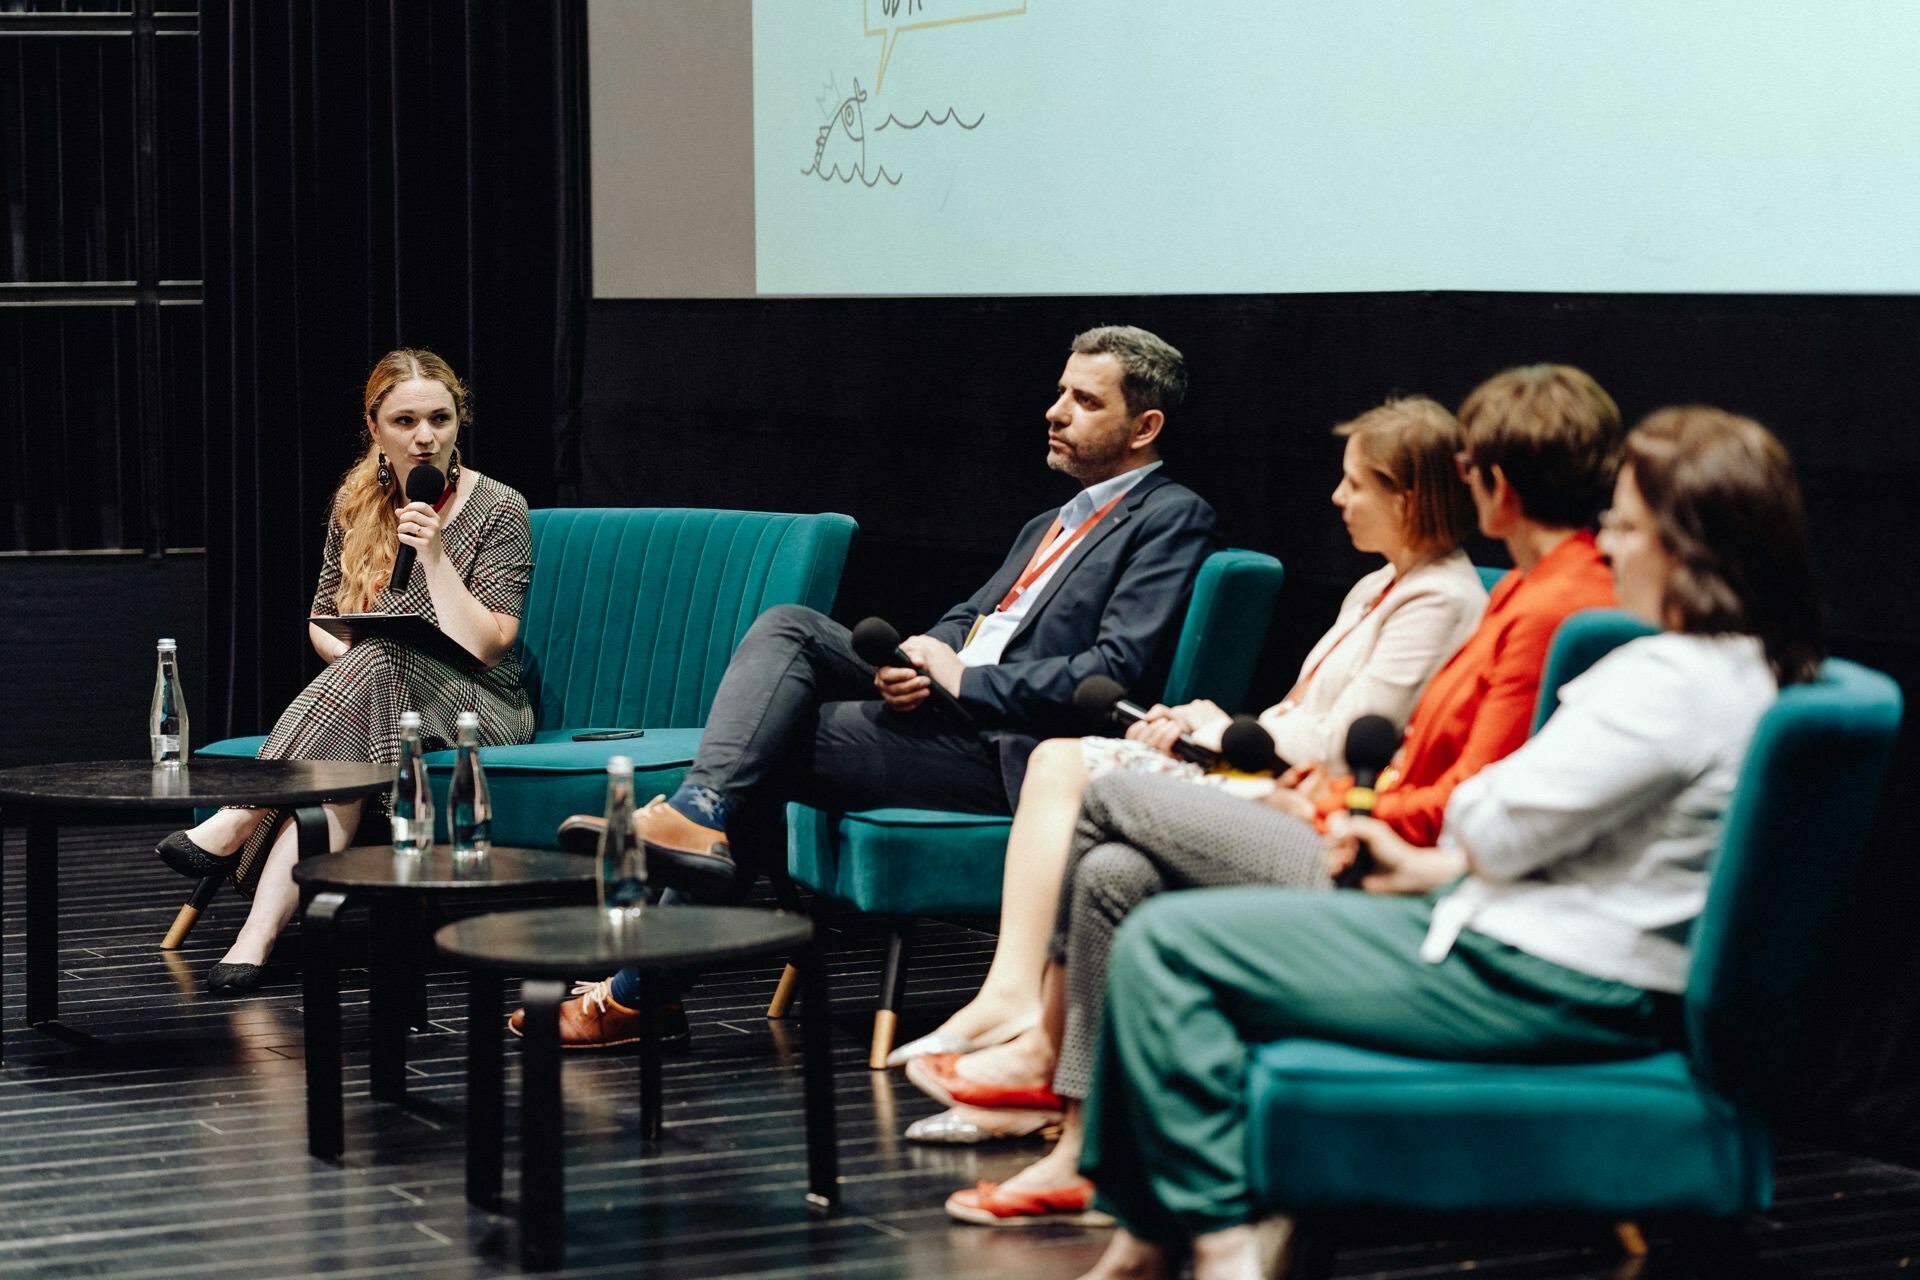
(378, 173)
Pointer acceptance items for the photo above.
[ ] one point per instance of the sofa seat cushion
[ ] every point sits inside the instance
(536, 784)
(1334, 1126)
(900, 861)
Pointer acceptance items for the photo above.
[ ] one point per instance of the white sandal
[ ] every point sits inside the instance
(970, 1126)
(951, 1042)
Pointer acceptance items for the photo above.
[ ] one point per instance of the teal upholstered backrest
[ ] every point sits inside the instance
(1226, 624)
(1579, 642)
(633, 613)
(1490, 576)
(1792, 842)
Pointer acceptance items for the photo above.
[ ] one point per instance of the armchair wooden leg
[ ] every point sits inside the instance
(1632, 1243)
(822, 912)
(783, 994)
(893, 986)
(190, 911)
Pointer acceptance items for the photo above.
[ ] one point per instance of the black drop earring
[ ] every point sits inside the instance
(385, 474)
(453, 468)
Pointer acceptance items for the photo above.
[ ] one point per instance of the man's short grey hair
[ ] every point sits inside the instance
(1154, 374)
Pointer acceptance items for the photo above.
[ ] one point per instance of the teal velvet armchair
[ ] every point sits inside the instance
(905, 863)
(629, 624)
(1678, 1137)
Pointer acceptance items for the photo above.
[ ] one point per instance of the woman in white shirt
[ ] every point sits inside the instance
(1401, 498)
(1582, 860)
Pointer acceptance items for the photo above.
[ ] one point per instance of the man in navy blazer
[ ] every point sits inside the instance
(1097, 588)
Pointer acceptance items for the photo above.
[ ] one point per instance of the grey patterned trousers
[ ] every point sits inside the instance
(1140, 834)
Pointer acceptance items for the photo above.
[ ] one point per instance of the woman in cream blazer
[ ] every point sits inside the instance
(1401, 497)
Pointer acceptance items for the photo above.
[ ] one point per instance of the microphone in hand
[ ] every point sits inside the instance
(1102, 699)
(1249, 748)
(1371, 742)
(425, 483)
(877, 641)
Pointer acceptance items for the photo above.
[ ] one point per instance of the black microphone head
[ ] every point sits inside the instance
(1246, 746)
(1371, 742)
(1094, 697)
(875, 639)
(425, 483)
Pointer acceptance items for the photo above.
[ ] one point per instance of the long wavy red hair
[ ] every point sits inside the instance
(363, 507)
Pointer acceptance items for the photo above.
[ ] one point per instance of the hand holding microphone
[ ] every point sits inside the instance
(877, 641)
(425, 484)
(1371, 742)
(1102, 699)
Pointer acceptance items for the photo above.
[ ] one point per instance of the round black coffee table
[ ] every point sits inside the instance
(46, 796)
(551, 945)
(397, 888)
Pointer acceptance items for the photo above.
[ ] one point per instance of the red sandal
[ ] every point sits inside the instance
(992, 1205)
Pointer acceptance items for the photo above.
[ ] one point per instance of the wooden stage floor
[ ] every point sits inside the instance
(164, 1136)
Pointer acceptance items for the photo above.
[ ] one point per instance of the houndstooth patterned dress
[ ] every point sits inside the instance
(351, 710)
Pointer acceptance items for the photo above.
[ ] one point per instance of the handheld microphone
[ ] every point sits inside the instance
(1102, 698)
(425, 483)
(1249, 748)
(1371, 742)
(878, 641)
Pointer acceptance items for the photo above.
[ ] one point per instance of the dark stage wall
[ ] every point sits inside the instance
(922, 418)
(76, 649)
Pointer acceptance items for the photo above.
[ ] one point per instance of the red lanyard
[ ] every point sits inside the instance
(1313, 671)
(1037, 566)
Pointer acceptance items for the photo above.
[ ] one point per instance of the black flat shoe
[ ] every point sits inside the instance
(234, 979)
(189, 859)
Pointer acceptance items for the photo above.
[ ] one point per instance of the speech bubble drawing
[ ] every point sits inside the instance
(897, 16)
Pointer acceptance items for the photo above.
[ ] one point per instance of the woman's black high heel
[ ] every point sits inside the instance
(234, 979)
(189, 859)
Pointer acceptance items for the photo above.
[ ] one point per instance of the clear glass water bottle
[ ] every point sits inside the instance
(412, 801)
(470, 816)
(623, 862)
(167, 717)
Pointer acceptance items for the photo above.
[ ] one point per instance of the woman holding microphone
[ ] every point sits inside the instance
(1550, 919)
(472, 565)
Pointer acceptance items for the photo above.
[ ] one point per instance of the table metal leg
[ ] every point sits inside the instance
(650, 1056)
(543, 1222)
(391, 952)
(43, 917)
(485, 1089)
(420, 959)
(320, 976)
(310, 831)
(823, 1153)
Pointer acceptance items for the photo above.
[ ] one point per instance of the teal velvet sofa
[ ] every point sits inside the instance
(1678, 1139)
(629, 624)
(905, 863)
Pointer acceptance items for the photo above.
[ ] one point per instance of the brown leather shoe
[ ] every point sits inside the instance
(581, 834)
(593, 1019)
(681, 852)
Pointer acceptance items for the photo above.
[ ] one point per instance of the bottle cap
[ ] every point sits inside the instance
(621, 765)
(167, 646)
(467, 719)
(409, 719)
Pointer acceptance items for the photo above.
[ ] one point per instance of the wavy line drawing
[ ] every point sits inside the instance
(891, 179)
(849, 126)
(950, 115)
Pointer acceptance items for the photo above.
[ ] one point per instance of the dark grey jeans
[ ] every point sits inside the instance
(796, 717)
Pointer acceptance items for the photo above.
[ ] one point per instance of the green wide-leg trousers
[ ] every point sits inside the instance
(1201, 978)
